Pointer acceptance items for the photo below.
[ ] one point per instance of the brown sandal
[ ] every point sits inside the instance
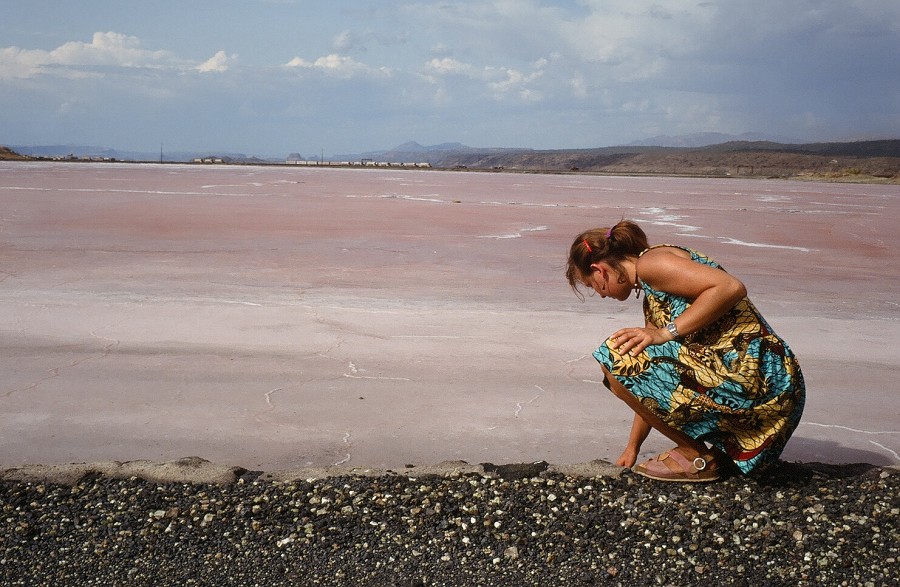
(674, 466)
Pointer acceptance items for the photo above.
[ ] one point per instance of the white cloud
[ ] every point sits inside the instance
(448, 65)
(109, 49)
(21, 63)
(69, 107)
(339, 66)
(578, 85)
(217, 63)
(78, 59)
(344, 41)
(498, 82)
(517, 83)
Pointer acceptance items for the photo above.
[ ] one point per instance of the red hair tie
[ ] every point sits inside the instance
(587, 246)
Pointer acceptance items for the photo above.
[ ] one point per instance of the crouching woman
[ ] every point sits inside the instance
(705, 369)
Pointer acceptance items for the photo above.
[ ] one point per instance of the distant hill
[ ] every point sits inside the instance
(414, 147)
(851, 160)
(705, 139)
(6, 154)
(844, 161)
(877, 161)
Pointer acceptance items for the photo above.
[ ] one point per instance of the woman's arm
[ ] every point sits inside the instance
(639, 431)
(712, 291)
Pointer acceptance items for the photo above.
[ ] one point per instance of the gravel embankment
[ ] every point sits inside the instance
(802, 525)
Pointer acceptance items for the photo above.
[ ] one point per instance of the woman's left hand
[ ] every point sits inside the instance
(633, 341)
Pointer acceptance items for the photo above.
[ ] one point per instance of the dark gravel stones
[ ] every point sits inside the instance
(798, 526)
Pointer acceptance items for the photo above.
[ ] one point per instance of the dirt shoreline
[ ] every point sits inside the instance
(199, 470)
(195, 470)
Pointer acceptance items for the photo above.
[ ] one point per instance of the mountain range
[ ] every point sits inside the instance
(406, 150)
(705, 139)
(702, 154)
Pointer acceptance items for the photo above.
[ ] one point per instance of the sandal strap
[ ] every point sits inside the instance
(688, 467)
(674, 466)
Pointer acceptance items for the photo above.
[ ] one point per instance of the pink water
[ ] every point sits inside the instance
(275, 317)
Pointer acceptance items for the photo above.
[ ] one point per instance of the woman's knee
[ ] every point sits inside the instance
(614, 385)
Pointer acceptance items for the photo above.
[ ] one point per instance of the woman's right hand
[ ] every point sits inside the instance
(628, 458)
(633, 341)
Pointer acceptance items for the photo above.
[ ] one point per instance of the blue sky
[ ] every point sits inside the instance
(270, 77)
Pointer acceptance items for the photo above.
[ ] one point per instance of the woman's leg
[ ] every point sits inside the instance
(689, 447)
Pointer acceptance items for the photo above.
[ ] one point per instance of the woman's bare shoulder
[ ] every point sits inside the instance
(662, 266)
(663, 252)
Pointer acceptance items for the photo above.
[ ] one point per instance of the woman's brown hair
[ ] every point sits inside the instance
(612, 245)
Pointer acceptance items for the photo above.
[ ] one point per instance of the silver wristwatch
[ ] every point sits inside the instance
(672, 330)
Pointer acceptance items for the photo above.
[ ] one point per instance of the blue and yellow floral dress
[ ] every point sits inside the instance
(734, 384)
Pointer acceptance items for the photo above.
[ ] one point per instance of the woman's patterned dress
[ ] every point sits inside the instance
(734, 384)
